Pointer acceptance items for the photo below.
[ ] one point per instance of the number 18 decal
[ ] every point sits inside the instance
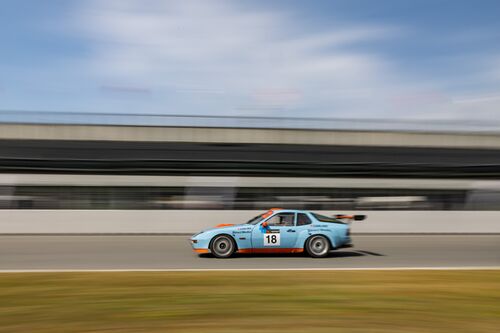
(272, 239)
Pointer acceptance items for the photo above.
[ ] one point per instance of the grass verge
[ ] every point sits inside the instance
(318, 301)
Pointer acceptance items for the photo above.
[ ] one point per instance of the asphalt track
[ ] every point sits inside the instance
(174, 252)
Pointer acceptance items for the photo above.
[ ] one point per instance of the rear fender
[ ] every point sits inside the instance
(306, 234)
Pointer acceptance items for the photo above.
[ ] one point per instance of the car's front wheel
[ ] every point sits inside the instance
(318, 246)
(222, 246)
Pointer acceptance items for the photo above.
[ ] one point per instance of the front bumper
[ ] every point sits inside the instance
(199, 245)
(201, 251)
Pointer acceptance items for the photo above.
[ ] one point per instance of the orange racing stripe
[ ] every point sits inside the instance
(275, 250)
(224, 225)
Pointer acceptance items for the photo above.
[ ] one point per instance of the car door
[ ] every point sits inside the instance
(280, 233)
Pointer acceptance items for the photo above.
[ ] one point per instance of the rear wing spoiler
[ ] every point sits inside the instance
(350, 217)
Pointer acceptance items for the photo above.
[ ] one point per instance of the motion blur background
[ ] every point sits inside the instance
(126, 125)
(170, 116)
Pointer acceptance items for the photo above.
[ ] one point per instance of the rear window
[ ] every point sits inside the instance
(323, 218)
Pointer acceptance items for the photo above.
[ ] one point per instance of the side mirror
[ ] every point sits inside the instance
(359, 217)
(264, 224)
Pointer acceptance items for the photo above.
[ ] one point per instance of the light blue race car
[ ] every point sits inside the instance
(278, 231)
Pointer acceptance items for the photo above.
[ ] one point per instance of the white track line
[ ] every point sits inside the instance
(440, 268)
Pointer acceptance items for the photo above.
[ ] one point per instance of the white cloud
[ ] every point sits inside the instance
(237, 58)
(218, 57)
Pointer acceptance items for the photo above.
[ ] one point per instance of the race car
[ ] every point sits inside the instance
(278, 231)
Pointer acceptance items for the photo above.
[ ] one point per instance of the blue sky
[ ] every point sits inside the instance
(342, 59)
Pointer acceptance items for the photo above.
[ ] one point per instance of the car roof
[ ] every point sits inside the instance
(273, 211)
(282, 210)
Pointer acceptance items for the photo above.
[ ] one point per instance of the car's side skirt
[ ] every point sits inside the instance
(275, 250)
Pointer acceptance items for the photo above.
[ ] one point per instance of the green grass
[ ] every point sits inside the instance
(361, 301)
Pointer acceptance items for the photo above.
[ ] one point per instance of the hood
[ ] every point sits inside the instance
(222, 225)
(228, 227)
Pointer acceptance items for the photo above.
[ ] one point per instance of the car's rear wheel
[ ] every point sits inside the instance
(318, 246)
(222, 246)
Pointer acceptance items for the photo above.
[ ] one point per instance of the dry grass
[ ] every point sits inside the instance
(362, 301)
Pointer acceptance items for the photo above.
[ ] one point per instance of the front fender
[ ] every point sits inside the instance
(240, 234)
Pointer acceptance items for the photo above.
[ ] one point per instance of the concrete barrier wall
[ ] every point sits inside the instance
(364, 138)
(191, 221)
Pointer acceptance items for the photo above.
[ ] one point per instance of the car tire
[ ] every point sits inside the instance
(318, 246)
(222, 246)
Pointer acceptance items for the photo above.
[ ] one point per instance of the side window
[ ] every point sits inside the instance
(281, 219)
(303, 219)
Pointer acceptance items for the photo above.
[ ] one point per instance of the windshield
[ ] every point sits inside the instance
(323, 218)
(255, 220)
